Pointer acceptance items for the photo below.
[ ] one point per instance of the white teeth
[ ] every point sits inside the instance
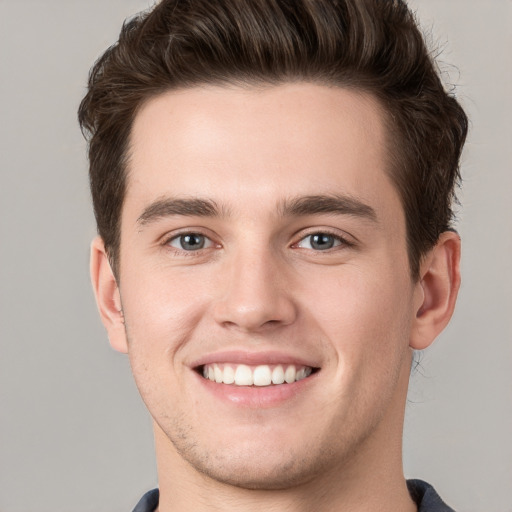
(262, 375)
(243, 376)
(300, 374)
(229, 375)
(278, 375)
(289, 374)
(217, 373)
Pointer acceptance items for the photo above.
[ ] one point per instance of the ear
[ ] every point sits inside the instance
(107, 296)
(436, 290)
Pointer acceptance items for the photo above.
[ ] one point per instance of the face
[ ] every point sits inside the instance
(264, 281)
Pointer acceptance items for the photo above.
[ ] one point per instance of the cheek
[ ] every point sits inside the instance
(162, 312)
(161, 315)
(365, 315)
(155, 298)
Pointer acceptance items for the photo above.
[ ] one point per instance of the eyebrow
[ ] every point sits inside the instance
(193, 207)
(333, 204)
(293, 207)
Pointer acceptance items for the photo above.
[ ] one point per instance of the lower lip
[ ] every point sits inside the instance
(256, 396)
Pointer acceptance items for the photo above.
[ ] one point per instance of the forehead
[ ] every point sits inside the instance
(230, 142)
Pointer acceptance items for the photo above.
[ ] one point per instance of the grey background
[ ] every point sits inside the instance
(74, 435)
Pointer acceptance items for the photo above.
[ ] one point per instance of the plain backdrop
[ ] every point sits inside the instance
(74, 435)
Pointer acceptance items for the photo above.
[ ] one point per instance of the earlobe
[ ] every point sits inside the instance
(107, 296)
(436, 290)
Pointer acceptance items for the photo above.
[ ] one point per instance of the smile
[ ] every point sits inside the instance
(261, 375)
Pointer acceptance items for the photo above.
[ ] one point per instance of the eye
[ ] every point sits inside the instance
(190, 242)
(320, 242)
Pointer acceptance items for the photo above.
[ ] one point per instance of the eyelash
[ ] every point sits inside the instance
(182, 252)
(343, 242)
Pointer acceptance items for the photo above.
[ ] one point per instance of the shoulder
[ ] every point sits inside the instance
(148, 502)
(426, 497)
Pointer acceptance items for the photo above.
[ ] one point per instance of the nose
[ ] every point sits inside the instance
(255, 293)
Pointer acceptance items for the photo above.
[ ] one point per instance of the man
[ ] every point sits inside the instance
(272, 183)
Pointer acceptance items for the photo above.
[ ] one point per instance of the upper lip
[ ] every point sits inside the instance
(253, 358)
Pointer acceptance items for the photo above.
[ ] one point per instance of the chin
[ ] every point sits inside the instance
(261, 463)
(279, 473)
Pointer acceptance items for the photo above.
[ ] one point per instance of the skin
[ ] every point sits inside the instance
(258, 287)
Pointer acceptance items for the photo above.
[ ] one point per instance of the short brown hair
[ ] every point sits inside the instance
(372, 45)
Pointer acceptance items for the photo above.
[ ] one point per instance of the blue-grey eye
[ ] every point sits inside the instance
(319, 242)
(190, 242)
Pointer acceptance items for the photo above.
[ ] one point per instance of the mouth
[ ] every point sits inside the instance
(262, 375)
